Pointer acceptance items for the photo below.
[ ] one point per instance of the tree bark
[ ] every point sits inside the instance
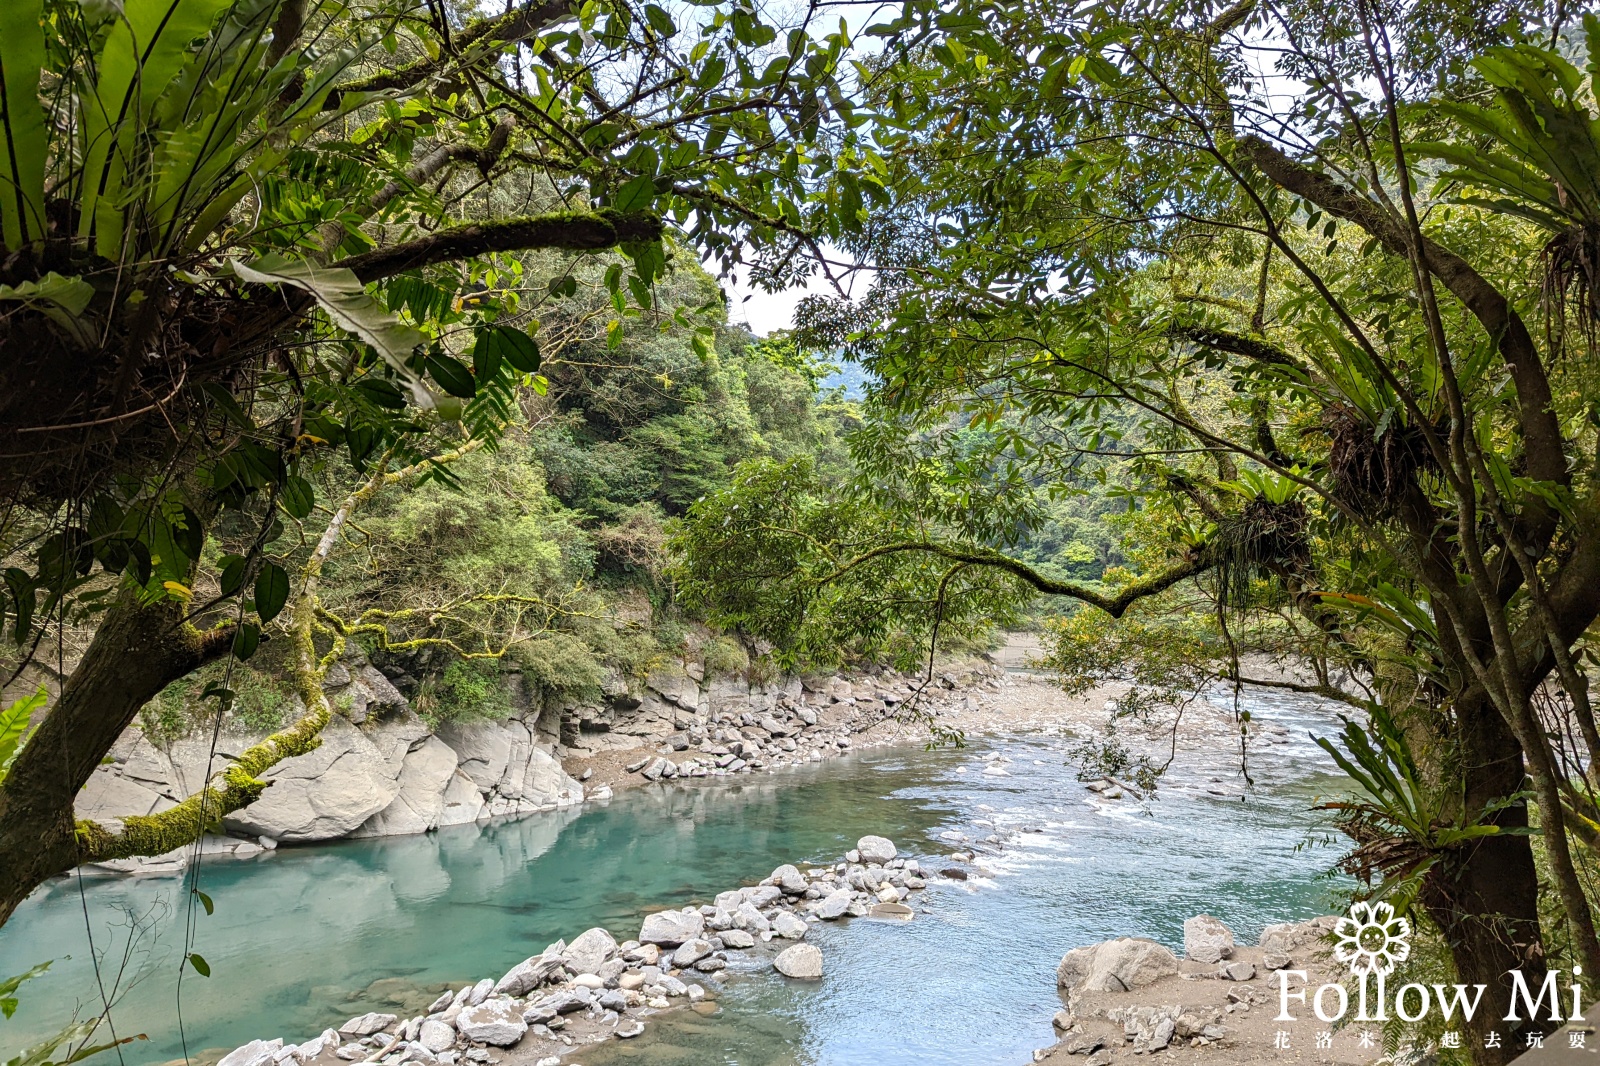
(1486, 896)
(137, 651)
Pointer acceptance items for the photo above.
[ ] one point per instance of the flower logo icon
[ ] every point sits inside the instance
(1372, 939)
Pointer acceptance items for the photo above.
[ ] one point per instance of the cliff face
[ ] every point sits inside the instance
(382, 771)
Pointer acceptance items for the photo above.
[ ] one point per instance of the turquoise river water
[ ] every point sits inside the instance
(307, 937)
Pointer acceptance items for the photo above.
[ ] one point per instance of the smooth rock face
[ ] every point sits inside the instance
(876, 849)
(590, 950)
(1205, 939)
(738, 939)
(788, 878)
(325, 793)
(497, 1022)
(801, 961)
(1119, 965)
(418, 806)
(671, 928)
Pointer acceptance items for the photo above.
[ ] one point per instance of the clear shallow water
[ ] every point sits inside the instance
(309, 936)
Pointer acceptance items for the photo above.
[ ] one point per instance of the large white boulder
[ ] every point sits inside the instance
(323, 794)
(876, 849)
(496, 1021)
(1119, 965)
(1206, 939)
(590, 950)
(802, 961)
(671, 928)
(425, 773)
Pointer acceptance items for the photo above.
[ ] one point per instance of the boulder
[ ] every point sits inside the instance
(419, 805)
(367, 1024)
(749, 917)
(323, 794)
(1206, 939)
(255, 1053)
(788, 878)
(671, 928)
(479, 992)
(436, 1036)
(802, 961)
(591, 950)
(497, 1022)
(691, 952)
(876, 849)
(1119, 965)
(789, 927)
(1239, 971)
(529, 974)
(738, 939)
(834, 905)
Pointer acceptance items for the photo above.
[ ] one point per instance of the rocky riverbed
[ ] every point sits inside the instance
(577, 994)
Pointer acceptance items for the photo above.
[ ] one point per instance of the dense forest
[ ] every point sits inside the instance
(1184, 333)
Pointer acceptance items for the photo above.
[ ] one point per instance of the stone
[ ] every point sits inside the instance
(367, 1024)
(630, 982)
(788, 878)
(613, 1000)
(671, 928)
(749, 917)
(419, 804)
(955, 873)
(1119, 965)
(1063, 1020)
(690, 952)
(887, 893)
(875, 849)
(898, 911)
(592, 981)
(1276, 960)
(802, 961)
(1082, 1044)
(497, 1022)
(1206, 939)
(326, 793)
(436, 1036)
(1239, 971)
(635, 767)
(738, 939)
(529, 974)
(480, 992)
(255, 1053)
(834, 905)
(590, 950)
(789, 926)
(444, 1000)
(630, 1029)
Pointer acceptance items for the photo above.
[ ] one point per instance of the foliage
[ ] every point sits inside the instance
(14, 722)
(468, 689)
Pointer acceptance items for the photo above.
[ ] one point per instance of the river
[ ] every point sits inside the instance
(307, 937)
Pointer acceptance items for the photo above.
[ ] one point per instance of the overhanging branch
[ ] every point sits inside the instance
(577, 231)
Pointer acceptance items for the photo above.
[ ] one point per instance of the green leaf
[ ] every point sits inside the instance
(347, 303)
(381, 393)
(636, 195)
(659, 20)
(232, 578)
(246, 639)
(205, 901)
(22, 123)
(272, 591)
(517, 348)
(201, 966)
(486, 359)
(13, 727)
(450, 372)
(297, 497)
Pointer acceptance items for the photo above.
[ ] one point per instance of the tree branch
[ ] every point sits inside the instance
(578, 232)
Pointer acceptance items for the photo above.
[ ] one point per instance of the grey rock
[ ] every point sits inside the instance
(496, 1021)
(788, 878)
(255, 1053)
(1205, 939)
(835, 904)
(529, 974)
(480, 992)
(630, 1029)
(436, 1036)
(749, 917)
(1239, 971)
(876, 849)
(803, 961)
(367, 1024)
(738, 939)
(789, 927)
(590, 950)
(326, 793)
(1276, 960)
(690, 952)
(671, 928)
(1119, 965)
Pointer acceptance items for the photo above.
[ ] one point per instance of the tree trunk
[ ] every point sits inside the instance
(1486, 897)
(136, 652)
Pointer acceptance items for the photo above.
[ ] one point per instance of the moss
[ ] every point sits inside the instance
(724, 656)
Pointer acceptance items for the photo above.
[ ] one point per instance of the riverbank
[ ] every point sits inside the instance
(573, 996)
